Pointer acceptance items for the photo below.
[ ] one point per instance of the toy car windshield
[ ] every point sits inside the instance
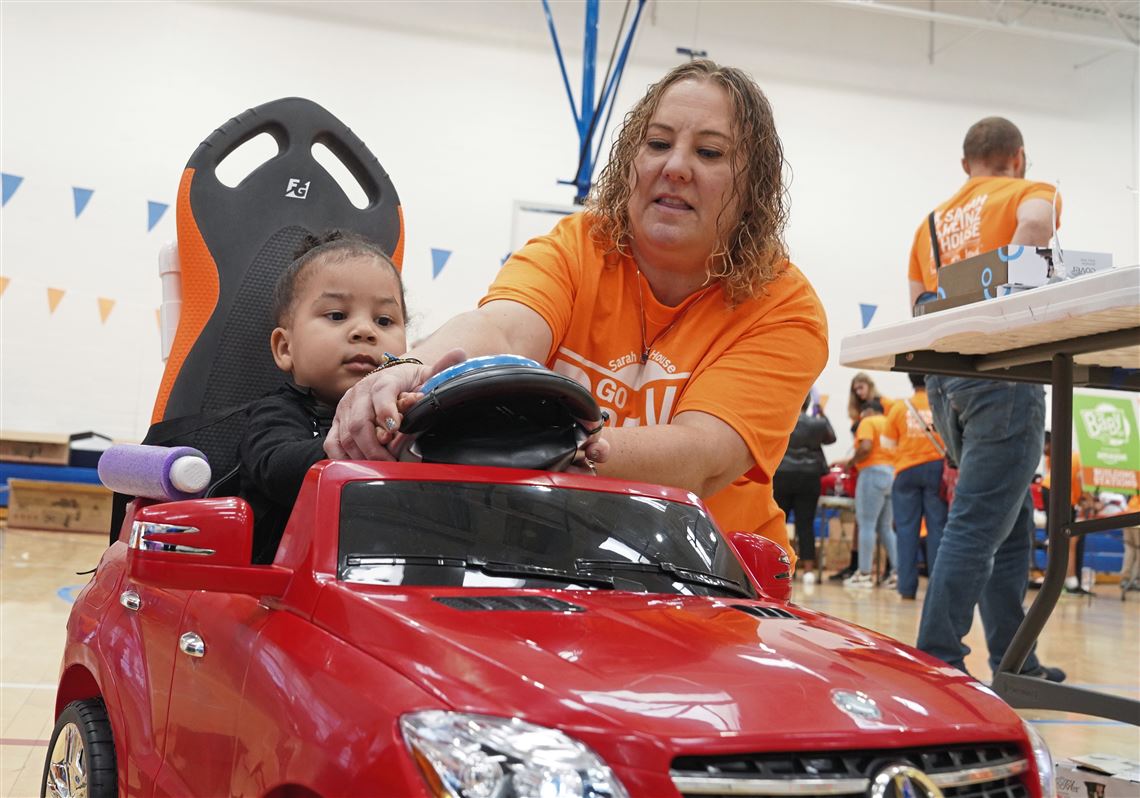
(531, 536)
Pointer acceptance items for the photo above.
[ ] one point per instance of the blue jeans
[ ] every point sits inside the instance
(873, 513)
(995, 431)
(914, 497)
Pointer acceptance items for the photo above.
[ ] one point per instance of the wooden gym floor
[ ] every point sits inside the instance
(1097, 641)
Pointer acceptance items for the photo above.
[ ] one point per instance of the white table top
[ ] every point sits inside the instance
(1095, 303)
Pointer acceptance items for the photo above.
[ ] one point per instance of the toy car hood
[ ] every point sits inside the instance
(684, 667)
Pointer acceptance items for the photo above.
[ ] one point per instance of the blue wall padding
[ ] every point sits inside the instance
(50, 473)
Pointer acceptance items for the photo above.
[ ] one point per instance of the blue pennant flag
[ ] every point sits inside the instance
(505, 258)
(11, 183)
(438, 260)
(82, 197)
(154, 212)
(868, 312)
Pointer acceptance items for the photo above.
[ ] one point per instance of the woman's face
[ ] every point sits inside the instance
(683, 176)
(862, 390)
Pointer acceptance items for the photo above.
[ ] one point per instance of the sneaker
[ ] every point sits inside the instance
(809, 578)
(859, 579)
(891, 582)
(1077, 591)
(1046, 673)
(907, 597)
(840, 576)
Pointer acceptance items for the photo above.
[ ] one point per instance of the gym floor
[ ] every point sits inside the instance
(1096, 640)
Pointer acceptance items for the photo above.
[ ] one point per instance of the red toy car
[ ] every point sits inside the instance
(442, 630)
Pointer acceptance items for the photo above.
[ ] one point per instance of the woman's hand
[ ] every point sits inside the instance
(368, 415)
(593, 452)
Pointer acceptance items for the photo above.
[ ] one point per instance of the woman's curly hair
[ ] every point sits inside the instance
(750, 255)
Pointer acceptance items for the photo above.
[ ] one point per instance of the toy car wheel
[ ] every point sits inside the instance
(81, 754)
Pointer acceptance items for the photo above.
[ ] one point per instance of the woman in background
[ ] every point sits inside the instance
(796, 483)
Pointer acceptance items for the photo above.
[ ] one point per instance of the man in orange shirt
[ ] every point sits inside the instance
(918, 478)
(993, 430)
(875, 463)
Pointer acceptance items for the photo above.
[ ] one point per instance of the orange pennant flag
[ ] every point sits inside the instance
(823, 401)
(54, 296)
(4, 284)
(105, 306)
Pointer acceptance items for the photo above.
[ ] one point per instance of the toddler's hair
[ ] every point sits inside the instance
(339, 244)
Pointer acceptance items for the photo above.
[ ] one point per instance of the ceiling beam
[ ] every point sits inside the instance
(1128, 43)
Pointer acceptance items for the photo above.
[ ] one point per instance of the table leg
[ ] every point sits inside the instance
(1028, 692)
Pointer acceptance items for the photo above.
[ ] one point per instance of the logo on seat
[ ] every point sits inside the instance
(903, 781)
(296, 189)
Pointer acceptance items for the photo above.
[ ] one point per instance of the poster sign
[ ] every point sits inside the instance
(1108, 442)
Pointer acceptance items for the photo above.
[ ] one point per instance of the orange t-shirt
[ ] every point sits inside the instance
(981, 217)
(874, 429)
(749, 366)
(1075, 490)
(912, 447)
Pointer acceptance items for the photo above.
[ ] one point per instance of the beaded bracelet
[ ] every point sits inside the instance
(395, 360)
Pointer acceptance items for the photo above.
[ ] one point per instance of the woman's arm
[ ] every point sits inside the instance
(695, 451)
(367, 417)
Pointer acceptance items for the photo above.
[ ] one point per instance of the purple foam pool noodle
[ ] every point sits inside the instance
(156, 472)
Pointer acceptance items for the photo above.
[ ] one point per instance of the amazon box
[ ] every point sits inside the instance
(1098, 776)
(1007, 270)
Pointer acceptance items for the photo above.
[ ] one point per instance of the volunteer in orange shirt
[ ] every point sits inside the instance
(671, 296)
(874, 460)
(993, 430)
(995, 207)
(918, 479)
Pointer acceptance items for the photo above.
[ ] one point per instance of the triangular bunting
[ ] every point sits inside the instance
(105, 306)
(505, 258)
(82, 196)
(823, 397)
(154, 212)
(438, 260)
(868, 312)
(54, 296)
(11, 183)
(4, 284)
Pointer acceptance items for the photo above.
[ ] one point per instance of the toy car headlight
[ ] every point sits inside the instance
(480, 756)
(1044, 761)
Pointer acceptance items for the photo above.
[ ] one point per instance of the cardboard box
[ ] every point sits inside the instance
(34, 447)
(836, 548)
(1098, 776)
(62, 506)
(1007, 270)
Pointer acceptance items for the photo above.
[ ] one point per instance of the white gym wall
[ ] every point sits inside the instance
(464, 106)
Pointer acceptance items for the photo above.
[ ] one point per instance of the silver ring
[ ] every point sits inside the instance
(390, 423)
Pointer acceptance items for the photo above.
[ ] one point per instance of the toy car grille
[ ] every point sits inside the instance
(976, 771)
(516, 603)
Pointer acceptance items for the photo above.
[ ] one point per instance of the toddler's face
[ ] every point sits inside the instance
(345, 317)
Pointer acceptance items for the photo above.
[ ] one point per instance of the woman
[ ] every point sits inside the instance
(796, 483)
(863, 390)
(671, 297)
